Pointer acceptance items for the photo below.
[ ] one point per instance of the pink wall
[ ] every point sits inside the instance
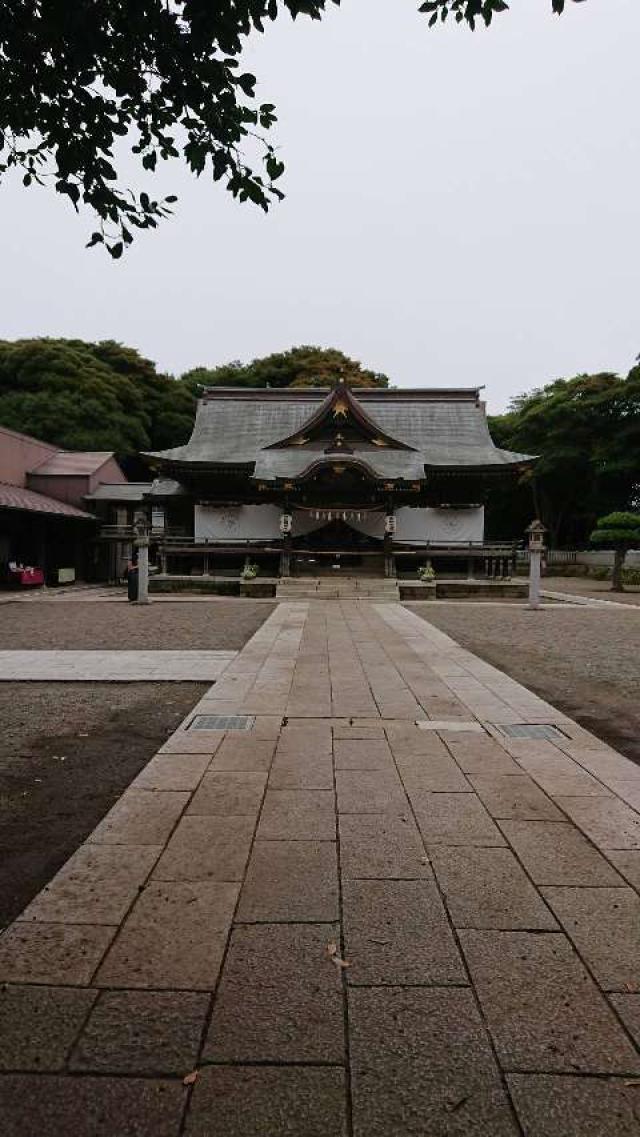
(18, 453)
(109, 474)
(63, 487)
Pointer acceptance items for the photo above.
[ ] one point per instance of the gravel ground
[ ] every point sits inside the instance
(594, 589)
(584, 661)
(86, 625)
(68, 750)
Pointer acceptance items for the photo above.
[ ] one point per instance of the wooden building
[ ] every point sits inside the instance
(317, 481)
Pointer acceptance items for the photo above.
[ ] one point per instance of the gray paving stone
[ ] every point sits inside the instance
(421, 1063)
(140, 817)
(174, 938)
(515, 797)
(280, 997)
(487, 888)
(52, 953)
(553, 1106)
(39, 1025)
(379, 846)
(207, 848)
(142, 1032)
(560, 776)
(628, 1007)
(559, 854)
(268, 1101)
(628, 863)
(290, 881)
(438, 774)
(454, 819)
(607, 821)
(301, 772)
(370, 791)
(97, 885)
(227, 793)
(244, 752)
(195, 741)
(406, 740)
(298, 815)
(362, 754)
(604, 924)
(51, 1105)
(396, 932)
(477, 754)
(172, 772)
(543, 1009)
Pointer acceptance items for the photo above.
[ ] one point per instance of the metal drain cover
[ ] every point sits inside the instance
(222, 722)
(531, 730)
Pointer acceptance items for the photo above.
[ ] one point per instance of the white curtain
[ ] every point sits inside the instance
(440, 525)
(236, 522)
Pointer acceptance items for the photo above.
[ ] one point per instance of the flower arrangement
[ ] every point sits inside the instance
(249, 572)
(426, 573)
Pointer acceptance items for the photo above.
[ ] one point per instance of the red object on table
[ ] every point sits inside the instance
(26, 577)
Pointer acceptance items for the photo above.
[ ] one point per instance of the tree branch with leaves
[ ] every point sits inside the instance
(81, 78)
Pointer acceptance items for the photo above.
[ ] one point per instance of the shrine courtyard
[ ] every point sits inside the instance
(356, 869)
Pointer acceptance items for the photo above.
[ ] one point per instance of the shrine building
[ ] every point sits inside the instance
(315, 481)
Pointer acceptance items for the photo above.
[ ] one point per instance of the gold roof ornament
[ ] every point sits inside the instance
(340, 408)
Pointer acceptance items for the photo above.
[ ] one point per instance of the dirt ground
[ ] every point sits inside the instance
(584, 661)
(86, 625)
(68, 750)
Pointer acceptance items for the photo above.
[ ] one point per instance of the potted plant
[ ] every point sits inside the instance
(247, 576)
(426, 573)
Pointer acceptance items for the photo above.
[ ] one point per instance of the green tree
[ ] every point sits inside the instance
(105, 396)
(586, 431)
(83, 396)
(620, 532)
(79, 77)
(303, 366)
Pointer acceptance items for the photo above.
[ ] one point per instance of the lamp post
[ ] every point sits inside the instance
(536, 532)
(141, 530)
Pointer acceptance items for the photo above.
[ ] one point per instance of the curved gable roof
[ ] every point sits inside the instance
(445, 429)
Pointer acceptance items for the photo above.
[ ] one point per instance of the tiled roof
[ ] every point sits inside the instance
(74, 462)
(15, 497)
(119, 491)
(444, 429)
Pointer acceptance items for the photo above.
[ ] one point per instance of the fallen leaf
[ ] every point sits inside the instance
(339, 962)
(189, 1079)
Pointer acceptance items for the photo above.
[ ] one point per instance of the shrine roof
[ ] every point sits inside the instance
(431, 427)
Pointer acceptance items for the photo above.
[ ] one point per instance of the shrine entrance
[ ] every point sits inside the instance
(337, 549)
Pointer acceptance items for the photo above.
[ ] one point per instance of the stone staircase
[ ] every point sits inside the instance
(337, 588)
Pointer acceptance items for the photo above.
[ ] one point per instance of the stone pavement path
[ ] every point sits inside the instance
(113, 666)
(482, 890)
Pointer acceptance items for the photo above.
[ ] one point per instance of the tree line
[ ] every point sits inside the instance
(105, 396)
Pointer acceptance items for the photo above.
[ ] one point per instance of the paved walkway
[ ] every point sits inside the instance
(480, 888)
(114, 666)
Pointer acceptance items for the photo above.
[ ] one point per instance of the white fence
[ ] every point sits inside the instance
(592, 558)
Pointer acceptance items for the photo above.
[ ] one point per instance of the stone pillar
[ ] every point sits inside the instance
(143, 569)
(534, 578)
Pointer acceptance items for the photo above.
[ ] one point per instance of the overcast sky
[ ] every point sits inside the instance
(461, 209)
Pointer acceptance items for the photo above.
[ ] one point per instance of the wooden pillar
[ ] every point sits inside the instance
(470, 569)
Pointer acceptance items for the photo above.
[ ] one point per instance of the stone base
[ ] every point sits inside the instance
(214, 585)
(464, 590)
